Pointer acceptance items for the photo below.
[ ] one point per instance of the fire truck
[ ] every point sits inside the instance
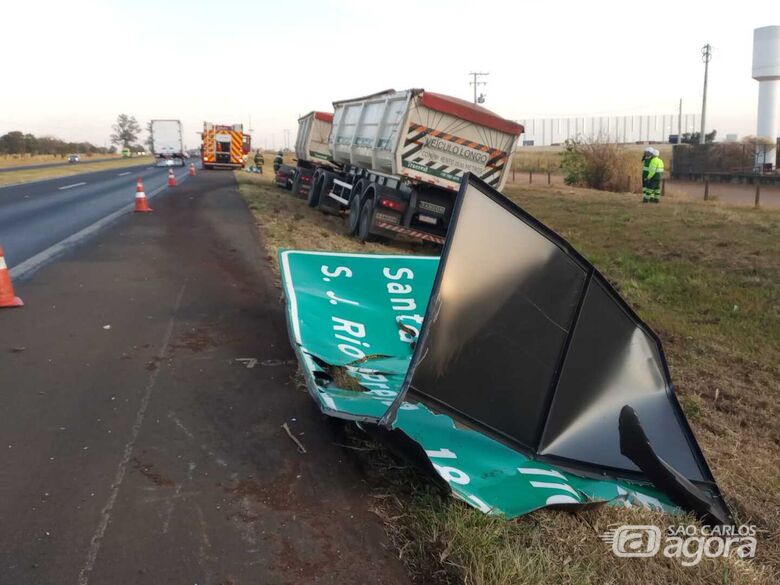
(223, 146)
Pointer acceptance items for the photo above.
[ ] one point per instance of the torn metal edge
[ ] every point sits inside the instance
(293, 332)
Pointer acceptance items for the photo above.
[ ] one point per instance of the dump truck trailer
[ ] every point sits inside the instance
(222, 146)
(311, 149)
(167, 143)
(395, 160)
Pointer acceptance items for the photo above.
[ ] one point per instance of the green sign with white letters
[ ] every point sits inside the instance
(354, 320)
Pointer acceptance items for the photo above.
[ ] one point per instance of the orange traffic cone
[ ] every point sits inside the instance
(192, 169)
(141, 203)
(171, 178)
(7, 296)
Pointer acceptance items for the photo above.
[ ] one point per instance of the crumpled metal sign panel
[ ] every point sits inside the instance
(568, 373)
(354, 321)
(511, 361)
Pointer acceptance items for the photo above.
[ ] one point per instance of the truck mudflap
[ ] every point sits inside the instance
(530, 383)
(399, 229)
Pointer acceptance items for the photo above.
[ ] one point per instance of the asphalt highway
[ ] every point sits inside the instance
(36, 216)
(139, 448)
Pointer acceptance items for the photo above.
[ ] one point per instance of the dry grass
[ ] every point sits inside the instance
(25, 176)
(287, 222)
(707, 279)
(532, 158)
(548, 158)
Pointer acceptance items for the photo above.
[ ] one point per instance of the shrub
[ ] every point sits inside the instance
(601, 165)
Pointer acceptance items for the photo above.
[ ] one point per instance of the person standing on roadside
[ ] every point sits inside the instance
(652, 174)
(259, 161)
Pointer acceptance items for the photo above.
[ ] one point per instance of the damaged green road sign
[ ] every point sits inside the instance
(354, 320)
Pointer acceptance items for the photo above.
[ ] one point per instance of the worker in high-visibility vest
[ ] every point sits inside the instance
(652, 174)
(259, 161)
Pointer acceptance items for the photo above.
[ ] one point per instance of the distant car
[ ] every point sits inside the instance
(73, 158)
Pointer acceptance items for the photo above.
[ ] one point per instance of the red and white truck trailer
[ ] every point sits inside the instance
(395, 160)
(311, 149)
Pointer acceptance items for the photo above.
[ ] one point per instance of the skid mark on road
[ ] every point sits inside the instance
(123, 174)
(185, 430)
(212, 455)
(170, 504)
(105, 514)
(204, 558)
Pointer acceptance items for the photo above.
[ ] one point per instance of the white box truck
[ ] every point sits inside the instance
(167, 143)
(395, 160)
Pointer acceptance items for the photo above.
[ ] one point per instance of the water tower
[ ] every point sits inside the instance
(766, 70)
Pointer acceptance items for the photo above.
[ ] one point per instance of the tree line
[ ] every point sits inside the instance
(17, 142)
(125, 135)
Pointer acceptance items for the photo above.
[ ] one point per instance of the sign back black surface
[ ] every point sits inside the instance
(524, 340)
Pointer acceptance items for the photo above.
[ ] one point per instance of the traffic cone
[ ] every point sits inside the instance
(171, 178)
(7, 296)
(192, 169)
(141, 203)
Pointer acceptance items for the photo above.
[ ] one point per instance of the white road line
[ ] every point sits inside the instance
(35, 262)
(123, 174)
(73, 185)
(105, 514)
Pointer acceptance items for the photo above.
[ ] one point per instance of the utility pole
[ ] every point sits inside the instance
(706, 56)
(475, 83)
(679, 123)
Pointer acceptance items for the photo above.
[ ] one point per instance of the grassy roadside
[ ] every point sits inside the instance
(707, 278)
(24, 176)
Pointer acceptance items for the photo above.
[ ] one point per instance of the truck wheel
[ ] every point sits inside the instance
(353, 217)
(324, 204)
(296, 184)
(366, 218)
(313, 198)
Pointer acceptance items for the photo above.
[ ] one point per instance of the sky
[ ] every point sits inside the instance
(70, 68)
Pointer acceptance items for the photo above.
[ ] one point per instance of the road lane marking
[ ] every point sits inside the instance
(35, 262)
(123, 174)
(105, 514)
(73, 185)
(52, 179)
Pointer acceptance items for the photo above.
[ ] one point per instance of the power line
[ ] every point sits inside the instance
(475, 74)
